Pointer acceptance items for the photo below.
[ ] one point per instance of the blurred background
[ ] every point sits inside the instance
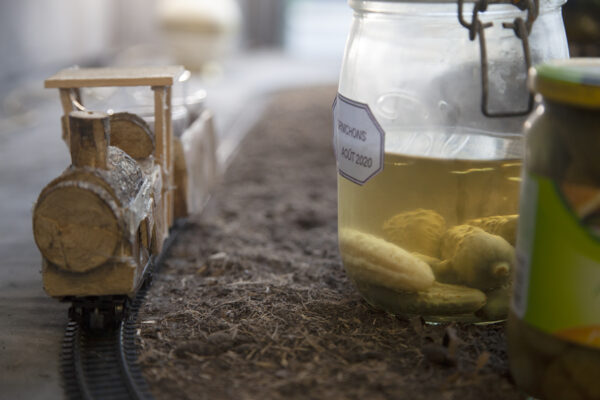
(280, 42)
(43, 35)
(237, 50)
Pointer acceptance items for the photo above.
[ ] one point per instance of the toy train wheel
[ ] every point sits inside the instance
(98, 313)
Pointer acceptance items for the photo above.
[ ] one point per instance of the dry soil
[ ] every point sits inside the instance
(253, 303)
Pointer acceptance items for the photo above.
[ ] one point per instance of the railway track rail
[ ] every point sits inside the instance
(102, 363)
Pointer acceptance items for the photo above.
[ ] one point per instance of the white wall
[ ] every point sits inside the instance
(40, 34)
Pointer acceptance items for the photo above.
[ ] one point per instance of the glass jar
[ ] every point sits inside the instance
(427, 134)
(554, 324)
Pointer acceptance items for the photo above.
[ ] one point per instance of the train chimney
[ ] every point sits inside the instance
(90, 138)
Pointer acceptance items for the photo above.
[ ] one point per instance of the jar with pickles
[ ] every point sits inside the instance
(554, 323)
(427, 134)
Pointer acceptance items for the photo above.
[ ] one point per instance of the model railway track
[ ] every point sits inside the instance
(103, 364)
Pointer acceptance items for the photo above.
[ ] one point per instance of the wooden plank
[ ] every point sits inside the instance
(160, 152)
(169, 159)
(67, 105)
(127, 76)
(116, 278)
(160, 134)
(195, 166)
(65, 100)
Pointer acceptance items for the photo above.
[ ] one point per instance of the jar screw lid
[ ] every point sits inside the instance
(575, 81)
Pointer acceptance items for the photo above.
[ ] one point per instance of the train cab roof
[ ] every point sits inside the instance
(71, 78)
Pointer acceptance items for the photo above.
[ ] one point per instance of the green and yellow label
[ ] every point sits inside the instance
(557, 285)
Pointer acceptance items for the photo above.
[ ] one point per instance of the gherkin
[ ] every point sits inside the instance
(417, 231)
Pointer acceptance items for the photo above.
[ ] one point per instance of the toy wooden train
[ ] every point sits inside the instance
(100, 224)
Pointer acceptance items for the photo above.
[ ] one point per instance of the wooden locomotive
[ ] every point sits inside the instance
(101, 223)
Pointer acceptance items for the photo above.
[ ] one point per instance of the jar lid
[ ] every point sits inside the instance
(575, 81)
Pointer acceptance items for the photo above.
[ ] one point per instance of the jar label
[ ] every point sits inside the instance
(557, 284)
(358, 140)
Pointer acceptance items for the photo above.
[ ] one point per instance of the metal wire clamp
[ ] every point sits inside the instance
(521, 27)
